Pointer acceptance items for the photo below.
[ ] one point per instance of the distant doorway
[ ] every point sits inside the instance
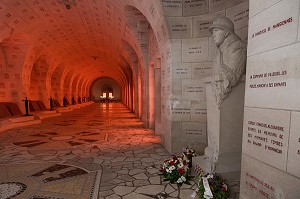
(107, 94)
(104, 89)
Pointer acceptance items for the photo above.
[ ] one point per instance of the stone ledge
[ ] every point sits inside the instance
(11, 123)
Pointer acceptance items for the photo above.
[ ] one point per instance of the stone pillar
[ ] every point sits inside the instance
(224, 131)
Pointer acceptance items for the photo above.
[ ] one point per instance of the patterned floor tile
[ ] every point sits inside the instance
(100, 151)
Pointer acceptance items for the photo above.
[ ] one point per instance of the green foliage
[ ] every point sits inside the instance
(218, 187)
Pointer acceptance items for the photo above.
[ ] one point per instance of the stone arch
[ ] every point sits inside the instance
(67, 89)
(145, 37)
(38, 90)
(56, 86)
(74, 85)
(105, 85)
(13, 48)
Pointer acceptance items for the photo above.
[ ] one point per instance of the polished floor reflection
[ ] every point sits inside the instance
(99, 151)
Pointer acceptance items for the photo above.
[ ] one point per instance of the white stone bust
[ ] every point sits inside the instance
(229, 63)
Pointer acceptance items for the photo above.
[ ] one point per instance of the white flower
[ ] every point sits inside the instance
(167, 170)
(179, 180)
(180, 165)
(172, 168)
(183, 178)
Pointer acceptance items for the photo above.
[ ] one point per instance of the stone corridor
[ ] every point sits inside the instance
(99, 151)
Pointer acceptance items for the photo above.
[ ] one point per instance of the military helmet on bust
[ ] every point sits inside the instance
(222, 23)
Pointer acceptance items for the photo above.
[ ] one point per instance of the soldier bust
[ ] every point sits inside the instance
(229, 63)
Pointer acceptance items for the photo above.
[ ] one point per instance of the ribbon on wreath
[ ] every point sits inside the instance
(207, 193)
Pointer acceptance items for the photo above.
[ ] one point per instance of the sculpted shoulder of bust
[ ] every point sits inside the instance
(230, 59)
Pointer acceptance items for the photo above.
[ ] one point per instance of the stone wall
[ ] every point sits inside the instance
(271, 139)
(188, 60)
(11, 62)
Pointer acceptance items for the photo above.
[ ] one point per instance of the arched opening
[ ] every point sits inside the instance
(107, 88)
(147, 71)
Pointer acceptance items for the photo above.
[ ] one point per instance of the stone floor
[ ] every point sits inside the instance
(100, 151)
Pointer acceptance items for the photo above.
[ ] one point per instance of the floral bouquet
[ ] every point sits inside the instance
(187, 154)
(176, 170)
(212, 186)
(189, 151)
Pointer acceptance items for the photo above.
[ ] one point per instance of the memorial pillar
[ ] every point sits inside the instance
(224, 131)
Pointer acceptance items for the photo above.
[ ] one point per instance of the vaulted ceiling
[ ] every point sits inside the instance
(85, 36)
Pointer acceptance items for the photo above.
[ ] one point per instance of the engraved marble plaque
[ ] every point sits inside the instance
(201, 70)
(198, 111)
(239, 14)
(275, 27)
(181, 110)
(266, 135)
(193, 90)
(195, 7)
(195, 50)
(180, 27)
(259, 180)
(203, 22)
(172, 7)
(192, 131)
(215, 5)
(273, 79)
(182, 70)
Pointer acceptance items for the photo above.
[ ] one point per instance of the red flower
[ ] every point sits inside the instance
(224, 187)
(171, 163)
(174, 158)
(181, 170)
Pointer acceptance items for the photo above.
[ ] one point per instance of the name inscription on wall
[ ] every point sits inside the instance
(193, 90)
(195, 50)
(181, 110)
(266, 136)
(255, 183)
(195, 7)
(179, 28)
(172, 7)
(269, 76)
(269, 30)
(202, 70)
(273, 27)
(194, 131)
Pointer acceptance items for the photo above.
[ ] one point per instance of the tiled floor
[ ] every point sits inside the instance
(100, 151)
